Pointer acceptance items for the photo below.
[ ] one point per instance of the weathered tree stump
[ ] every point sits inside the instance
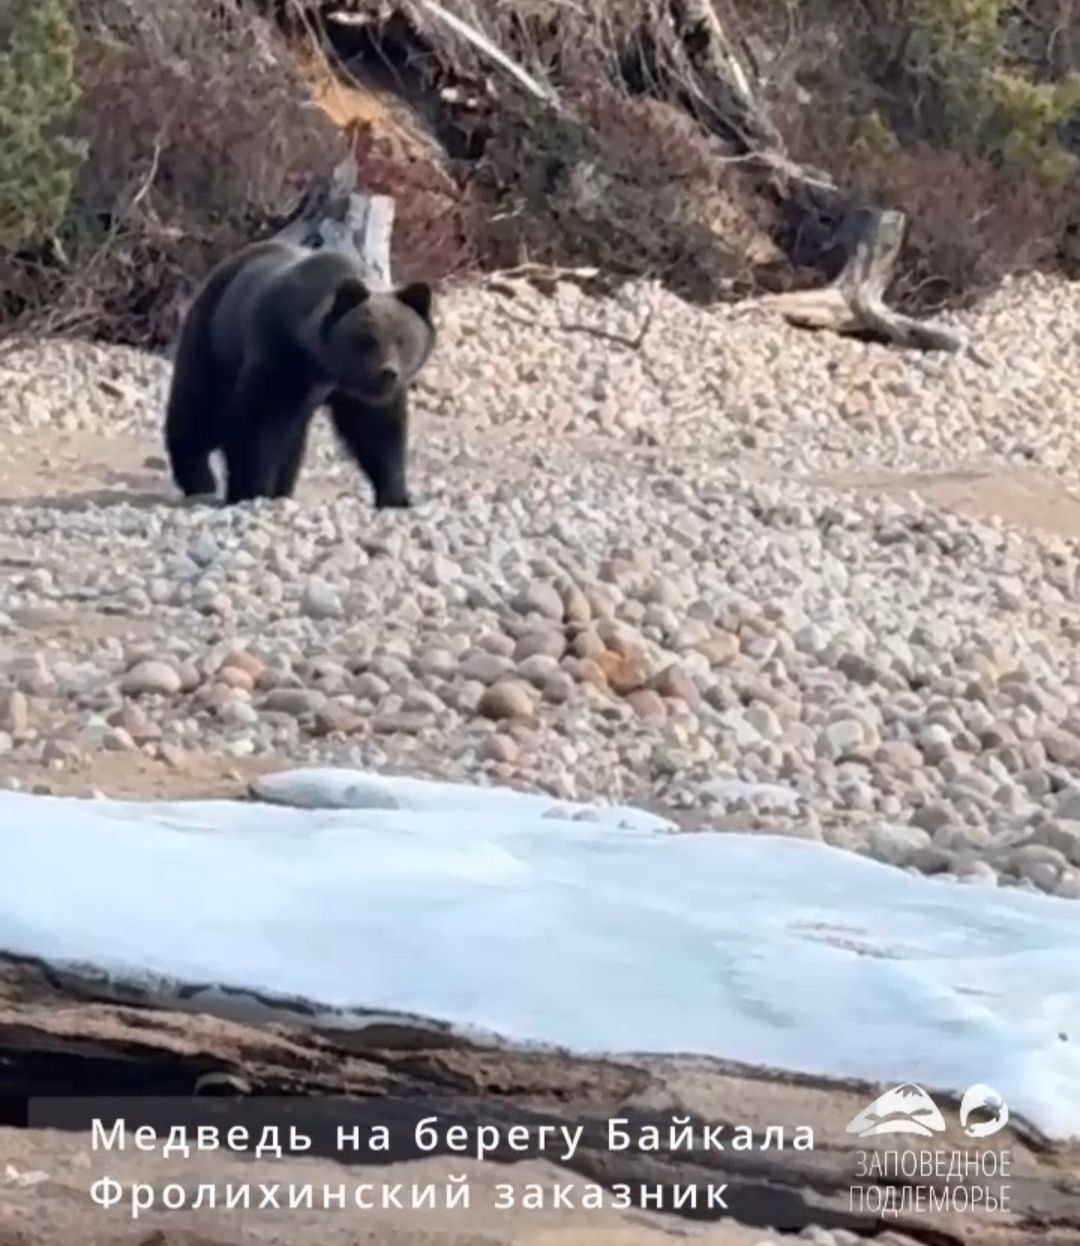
(336, 215)
(855, 302)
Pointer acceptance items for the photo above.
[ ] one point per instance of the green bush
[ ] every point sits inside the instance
(1025, 122)
(38, 91)
(199, 137)
(991, 107)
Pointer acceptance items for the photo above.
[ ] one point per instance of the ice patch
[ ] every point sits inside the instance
(493, 911)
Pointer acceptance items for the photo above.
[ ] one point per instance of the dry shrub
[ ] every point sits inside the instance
(971, 220)
(969, 224)
(202, 133)
(200, 138)
(630, 184)
(862, 93)
(627, 184)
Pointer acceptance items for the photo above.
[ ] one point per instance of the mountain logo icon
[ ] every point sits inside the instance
(905, 1109)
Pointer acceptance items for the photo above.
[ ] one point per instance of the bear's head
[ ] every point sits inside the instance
(374, 343)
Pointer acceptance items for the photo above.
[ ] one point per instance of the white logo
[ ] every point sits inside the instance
(908, 1109)
(905, 1109)
(983, 1097)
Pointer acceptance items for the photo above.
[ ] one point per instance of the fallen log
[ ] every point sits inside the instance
(166, 1062)
(855, 302)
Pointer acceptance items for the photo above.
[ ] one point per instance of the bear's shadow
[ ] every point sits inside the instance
(143, 500)
(141, 490)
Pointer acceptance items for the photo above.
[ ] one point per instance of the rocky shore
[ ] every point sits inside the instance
(698, 560)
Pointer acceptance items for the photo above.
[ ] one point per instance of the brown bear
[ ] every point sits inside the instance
(274, 333)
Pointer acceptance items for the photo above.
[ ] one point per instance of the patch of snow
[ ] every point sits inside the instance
(478, 908)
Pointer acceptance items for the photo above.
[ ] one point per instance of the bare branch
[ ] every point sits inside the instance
(484, 45)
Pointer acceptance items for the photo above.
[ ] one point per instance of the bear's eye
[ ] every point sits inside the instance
(365, 342)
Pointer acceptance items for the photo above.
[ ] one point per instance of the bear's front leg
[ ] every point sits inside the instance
(377, 438)
(252, 462)
(264, 440)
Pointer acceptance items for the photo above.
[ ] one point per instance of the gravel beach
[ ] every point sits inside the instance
(768, 580)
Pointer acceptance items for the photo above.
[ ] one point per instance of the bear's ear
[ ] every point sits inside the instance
(351, 293)
(417, 295)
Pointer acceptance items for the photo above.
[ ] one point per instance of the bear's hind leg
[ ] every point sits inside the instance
(266, 416)
(192, 415)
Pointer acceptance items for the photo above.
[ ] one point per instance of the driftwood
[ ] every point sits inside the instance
(167, 1061)
(855, 302)
(335, 214)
